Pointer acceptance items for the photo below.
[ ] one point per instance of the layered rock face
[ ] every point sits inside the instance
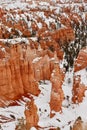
(17, 74)
(22, 68)
(42, 68)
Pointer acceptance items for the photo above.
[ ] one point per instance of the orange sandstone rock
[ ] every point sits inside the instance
(57, 94)
(78, 125)
(42, 68)
(78, 90)
(22, 68)
(81, 61)
(63, 35)
(31, 115)
(17, 74)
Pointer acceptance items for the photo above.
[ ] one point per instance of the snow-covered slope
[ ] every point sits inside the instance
(64, 120)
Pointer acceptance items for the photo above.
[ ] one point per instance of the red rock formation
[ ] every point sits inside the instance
(78, 125)
(81, 61)
(78, 90)
(31, 115)
(57, 94)
(63, 35)
(16, 73)
(22, 68)
(43, 65)
(42, 68)
(65, 21)
(1, 12)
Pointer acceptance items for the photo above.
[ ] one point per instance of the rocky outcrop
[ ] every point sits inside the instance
(21, 68)
(81, 61)
(79, 124)
(43, 64)
(16, 73)
(57, 95)
(31, 115)
(78, 90)
(42, 68)
(63, 36)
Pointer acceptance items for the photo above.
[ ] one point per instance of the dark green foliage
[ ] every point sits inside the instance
(72, 49)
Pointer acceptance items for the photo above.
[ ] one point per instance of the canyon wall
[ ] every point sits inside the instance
(21, 68)
(16, 73)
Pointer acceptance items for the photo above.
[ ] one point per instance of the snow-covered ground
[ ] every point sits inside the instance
(64, 120)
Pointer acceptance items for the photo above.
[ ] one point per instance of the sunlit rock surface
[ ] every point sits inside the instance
(78, 90)
(57, 94)
(31, 115)
(81, 61)
(22, 68)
